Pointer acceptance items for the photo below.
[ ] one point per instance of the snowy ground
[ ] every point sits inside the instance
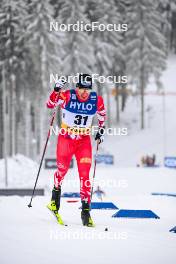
(33, 236)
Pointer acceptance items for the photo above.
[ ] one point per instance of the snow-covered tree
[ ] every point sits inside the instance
(145, 45)
(45, 48)
(173, 25)
(78, 47)
(12, 15)
(108, 45)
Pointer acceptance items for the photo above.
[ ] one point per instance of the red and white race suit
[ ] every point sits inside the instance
(77, 115)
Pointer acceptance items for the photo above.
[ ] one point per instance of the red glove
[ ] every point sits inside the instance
(59, 85)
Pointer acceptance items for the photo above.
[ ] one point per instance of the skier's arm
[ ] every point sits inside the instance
(101, 115)
(101, 112)
(57, 96)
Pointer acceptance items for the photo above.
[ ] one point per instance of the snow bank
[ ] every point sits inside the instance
(20, 171)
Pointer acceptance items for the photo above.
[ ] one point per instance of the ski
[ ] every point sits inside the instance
(61, 222)
(57, 216)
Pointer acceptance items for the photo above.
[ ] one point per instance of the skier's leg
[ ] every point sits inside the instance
(84, 157)
(65, 149)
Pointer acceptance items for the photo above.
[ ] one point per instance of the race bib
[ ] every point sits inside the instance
(79, 114)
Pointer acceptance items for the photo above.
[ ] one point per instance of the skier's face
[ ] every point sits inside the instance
(84, 93)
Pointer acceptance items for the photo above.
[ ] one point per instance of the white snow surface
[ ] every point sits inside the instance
(20, 171)
(33, 236)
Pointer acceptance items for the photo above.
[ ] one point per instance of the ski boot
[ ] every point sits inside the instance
(85, 215)
(54, 204)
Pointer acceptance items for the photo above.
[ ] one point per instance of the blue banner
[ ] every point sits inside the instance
(170, 162)
(106, 159)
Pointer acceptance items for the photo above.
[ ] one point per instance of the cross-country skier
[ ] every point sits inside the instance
(100, 193)
(78, 109)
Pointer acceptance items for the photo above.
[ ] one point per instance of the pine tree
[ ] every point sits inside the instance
(78, 44)
(145, 44)
(173, 25)
(12, 56)
(108, 46)
(46, 52)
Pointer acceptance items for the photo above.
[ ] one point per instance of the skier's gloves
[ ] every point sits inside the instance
(59, 85)
(100, 134)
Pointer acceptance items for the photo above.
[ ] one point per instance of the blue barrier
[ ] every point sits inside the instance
(173, 230)
(170, 162)
(103, 205)
(71, 195)
(165, 194)
(135, 214)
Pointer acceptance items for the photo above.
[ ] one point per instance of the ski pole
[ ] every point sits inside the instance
(44, 150)
(95, 164)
